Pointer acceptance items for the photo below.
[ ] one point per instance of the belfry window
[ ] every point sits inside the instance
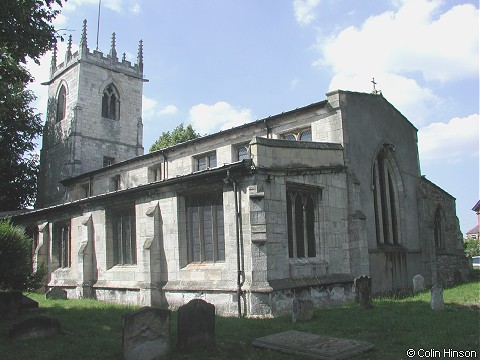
(111, 103)
(301, 222)
(385, 198)
(61, 104)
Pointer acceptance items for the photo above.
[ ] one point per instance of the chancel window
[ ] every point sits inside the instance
(61, 104)
(299, 135)
(61, 243)
(121, 228)
(111, 103)
(205, 227)
(385, 195)
(206, 161)
(301, 203)
(439, 229)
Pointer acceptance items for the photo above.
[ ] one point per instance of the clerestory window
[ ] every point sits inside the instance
(299, 135)
(206, 161)
(61, 104)
(111, 103)
(301, 203)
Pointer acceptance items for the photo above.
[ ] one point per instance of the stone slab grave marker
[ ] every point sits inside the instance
(35, 328)
(363, 286)
(10, 304)
(436, 299)
(196, 325)
(302, 310)
(312, 345)
(56, 293)
(418, 283)
(146, 334)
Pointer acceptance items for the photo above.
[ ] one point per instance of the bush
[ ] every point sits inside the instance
(16, 271)
(472, 247)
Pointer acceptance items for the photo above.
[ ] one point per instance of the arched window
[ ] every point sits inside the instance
(439, 229)
(111, 103)
(61, 104)
(385, 195)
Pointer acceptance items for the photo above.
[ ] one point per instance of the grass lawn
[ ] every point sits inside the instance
(93, 330)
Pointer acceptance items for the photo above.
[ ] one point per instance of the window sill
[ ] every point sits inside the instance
(204, 265)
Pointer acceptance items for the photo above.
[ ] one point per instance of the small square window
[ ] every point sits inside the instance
(241, 152)
(206, 161)
(107, 161)
(155, 173)
(115, 183)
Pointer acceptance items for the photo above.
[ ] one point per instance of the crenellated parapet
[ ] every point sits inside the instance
(108, 61)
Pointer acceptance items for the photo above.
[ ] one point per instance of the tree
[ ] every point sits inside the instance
(472, 247)
(15, 259)
(178, 135)
(25, 32)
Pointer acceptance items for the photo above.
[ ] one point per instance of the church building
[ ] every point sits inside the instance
(295, 205)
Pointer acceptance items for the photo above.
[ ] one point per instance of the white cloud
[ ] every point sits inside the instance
(151, 110)
(452, 142)
(408, 51)
(206, 119)
(304, 10)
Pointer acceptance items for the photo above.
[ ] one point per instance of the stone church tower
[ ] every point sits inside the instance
(94, 116)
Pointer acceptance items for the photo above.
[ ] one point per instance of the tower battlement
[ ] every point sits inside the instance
(108, 61)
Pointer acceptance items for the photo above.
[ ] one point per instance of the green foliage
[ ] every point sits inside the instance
(177, 136)
(15, 259)
(472, 247)
(25, 32)
(93, 330)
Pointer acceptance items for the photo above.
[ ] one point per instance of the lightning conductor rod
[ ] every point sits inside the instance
(98, 20)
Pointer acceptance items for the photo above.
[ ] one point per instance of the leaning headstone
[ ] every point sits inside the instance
(196, 325)
(363, 296)
(56, 293)
(146, 334)
(418, 283)
(436, 299)
(302, 310)
(10, 304)
(35, 328)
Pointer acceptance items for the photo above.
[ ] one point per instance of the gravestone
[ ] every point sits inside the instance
(29, 304)
(196, 325)
(56, 293)
(313, 345)
(363, 286)
(146, 334)
(302, 310)
(418, 283)
(436, 299)
(10, 304)
(35, 328)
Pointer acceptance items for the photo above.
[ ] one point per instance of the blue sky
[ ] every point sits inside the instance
(220, 63)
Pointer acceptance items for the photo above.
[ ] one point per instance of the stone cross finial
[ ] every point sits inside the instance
(124, 57)
(113, 50)
(140, 56)
(53, 64)
(68, 54)
(375, 91)
(83, 40)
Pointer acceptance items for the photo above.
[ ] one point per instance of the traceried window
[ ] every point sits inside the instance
(61, 243)
(301, 203)
(121, 230)
(241, 152)
(111, 103)
(300, 135)
(206, 161)
(385, 197)
(205, 227)
(439, 229)
(61, 104)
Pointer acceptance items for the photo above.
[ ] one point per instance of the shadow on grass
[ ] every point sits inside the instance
(93, 330)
